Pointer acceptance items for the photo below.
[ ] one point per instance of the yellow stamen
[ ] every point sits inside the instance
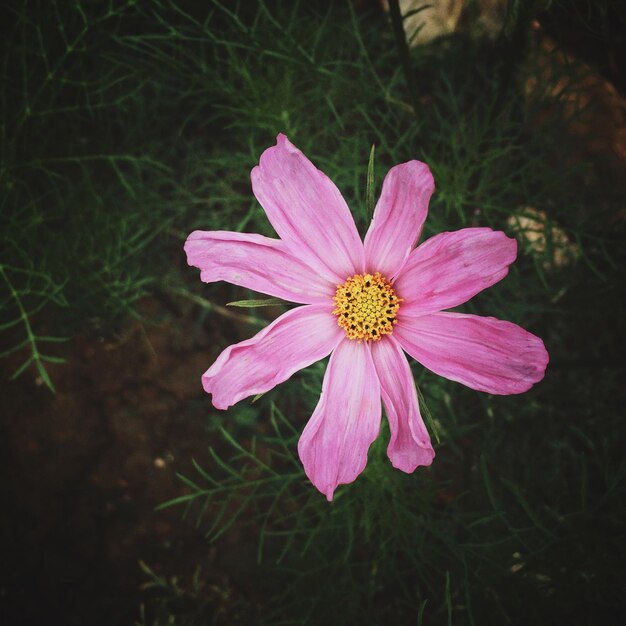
(366, 307)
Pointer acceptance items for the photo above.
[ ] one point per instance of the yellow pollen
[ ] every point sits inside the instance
(366, 307)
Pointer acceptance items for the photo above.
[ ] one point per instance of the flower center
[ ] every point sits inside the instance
(366, 306)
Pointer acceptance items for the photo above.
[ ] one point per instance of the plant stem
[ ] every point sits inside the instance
(403, 53)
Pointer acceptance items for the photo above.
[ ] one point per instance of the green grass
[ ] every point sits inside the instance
(126, 125)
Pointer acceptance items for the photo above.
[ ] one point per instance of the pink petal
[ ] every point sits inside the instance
(399, 217)
(290, 343)
(258, 263)
(450, 268)
(333, 447)
(307, 211)
(409, 445)
(481, 352)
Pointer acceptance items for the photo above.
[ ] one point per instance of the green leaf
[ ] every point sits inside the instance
(250, 304)
(426, 414)
(44, 376)
(20, 370)
(416, 11)
(369, 186)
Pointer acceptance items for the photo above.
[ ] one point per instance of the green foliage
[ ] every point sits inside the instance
(252, 304)
(125, 125)
(38, 289)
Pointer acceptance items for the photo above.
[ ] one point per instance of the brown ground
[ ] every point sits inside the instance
(87, 467)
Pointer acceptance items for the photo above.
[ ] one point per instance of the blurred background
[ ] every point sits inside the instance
(127, 498)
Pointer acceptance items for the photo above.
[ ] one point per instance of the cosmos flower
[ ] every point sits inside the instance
(365, 304)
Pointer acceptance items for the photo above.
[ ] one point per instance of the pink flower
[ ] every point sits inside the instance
(364, 304)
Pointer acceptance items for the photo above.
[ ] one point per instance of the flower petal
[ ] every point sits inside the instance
(409, 445)
(307, 211)
(450, 268)
(258, 263)
(483, 353)
(334, 444)
(399, 217)
(296, 339)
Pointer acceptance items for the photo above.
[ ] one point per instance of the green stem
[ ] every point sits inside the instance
(403, 53)
(23, 315)
(31, 338)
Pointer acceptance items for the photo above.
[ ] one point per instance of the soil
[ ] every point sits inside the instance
(87, 466)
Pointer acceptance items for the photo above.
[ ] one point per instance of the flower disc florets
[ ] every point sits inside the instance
(366, 307)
